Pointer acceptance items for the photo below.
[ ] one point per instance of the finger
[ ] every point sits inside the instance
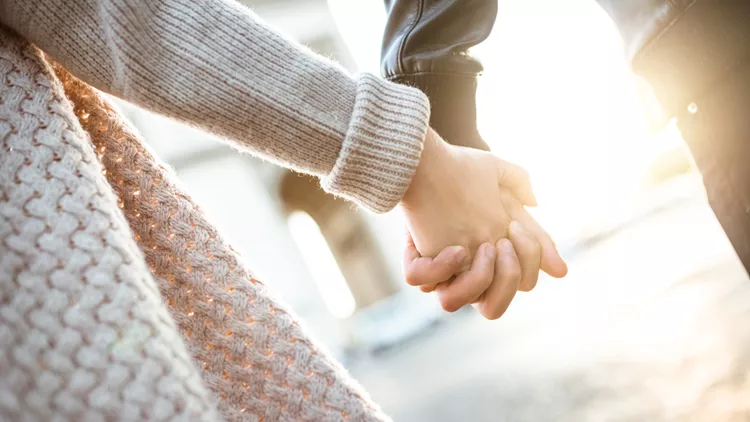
(507, 277)
(429, 288)
(551, 263)
(529, 254)
(419, 270)
(516, 179)
(470, 284)
(411, 254)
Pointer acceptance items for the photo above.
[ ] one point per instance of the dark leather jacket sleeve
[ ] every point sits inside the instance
(426, 45)
(682, 48)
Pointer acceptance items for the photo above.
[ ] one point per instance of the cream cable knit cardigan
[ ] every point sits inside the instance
(118, 300)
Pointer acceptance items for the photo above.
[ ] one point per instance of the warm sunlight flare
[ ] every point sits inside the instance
(361, 25)
(556, 97)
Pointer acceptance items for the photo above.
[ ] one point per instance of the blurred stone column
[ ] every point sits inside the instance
(348, 236)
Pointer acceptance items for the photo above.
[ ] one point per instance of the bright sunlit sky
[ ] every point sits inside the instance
(556, 97)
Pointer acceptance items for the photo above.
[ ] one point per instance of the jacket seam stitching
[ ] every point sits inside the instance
(420, 11)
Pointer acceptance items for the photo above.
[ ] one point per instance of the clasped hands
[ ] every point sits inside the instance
(469, 237)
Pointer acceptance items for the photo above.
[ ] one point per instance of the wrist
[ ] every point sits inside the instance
(434, 155)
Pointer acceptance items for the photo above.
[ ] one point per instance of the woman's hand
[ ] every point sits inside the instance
(492, 285)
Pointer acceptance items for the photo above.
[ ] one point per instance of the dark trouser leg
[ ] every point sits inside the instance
(718, 135)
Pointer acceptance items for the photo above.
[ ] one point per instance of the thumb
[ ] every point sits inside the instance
(515, 178)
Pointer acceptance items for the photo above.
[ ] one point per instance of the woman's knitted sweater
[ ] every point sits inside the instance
(118, 300)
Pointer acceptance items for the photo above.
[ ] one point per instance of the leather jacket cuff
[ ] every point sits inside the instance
(453, 104)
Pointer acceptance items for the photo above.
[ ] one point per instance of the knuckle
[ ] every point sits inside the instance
(511, 268)
(446, 267)
(480, 276)
(487, 275)
(492, 233)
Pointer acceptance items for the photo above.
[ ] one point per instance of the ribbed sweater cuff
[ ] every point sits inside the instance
(383, 144)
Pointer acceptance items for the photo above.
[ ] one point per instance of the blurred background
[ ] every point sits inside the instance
(652, 321)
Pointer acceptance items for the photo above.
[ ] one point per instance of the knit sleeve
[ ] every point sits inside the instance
(213, 64)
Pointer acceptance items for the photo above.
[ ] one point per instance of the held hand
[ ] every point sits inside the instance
(490, 284)
(455, 197)
(533, 246)
(468, 198)
(491, 290)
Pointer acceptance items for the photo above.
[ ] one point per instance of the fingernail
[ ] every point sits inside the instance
(515, 227)
(506, 246)
(489, 251)
(460, 252)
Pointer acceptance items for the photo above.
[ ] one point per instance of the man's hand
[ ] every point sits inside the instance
(456, 198)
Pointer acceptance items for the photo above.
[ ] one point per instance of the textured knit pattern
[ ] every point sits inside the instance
(90, 328)
(213, 64)
(253, 353)
(84, 334)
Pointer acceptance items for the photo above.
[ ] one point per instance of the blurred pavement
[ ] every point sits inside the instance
(650, 325)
